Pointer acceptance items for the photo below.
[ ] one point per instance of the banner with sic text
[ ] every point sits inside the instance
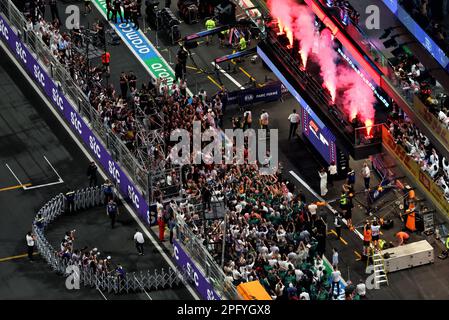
(202, 285)
(432, 191)
(77, 124)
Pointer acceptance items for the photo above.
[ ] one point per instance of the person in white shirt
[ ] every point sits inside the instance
(294, 122)
(434, 159)
(139, 240)
(323, 182)
(304, 295)
(336, 277)
(445, 164)
(334, 257)
(312, 208)
(433, 170)
(247, 119)
(30, 245)
(332, 173)
(264, 120)
(361, 289)
(366, 174)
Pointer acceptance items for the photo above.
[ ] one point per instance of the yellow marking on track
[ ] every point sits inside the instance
(20, 256)
(341, 239)
(359, 257)
(214, 82)
(15, 187)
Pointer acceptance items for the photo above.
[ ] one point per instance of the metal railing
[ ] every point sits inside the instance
(209, 266)
(131, 282)
(60, 74)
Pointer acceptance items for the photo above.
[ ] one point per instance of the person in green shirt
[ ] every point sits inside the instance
(242, 43)
(210, 24)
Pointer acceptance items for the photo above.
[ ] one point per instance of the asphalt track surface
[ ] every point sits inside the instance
(23, 281)
(28, 131)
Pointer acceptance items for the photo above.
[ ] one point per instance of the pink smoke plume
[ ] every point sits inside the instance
(298, 21)
(327, 59)
(358, 98)
(281, 10)
(304, 30)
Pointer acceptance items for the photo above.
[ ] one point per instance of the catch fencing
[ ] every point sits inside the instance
(132, 282)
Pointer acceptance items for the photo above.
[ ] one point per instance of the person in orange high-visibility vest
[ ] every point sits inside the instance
(402, 237)
(105, 60)
(410, 222)
(367, 237)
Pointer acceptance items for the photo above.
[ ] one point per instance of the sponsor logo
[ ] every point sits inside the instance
(57, 99)
(113, 171)
(4, 31)
(76, 123)
(39, 75)
(93, 144)
(21, 52)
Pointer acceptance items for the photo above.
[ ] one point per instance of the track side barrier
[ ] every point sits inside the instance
(80, 127)
(107, 282)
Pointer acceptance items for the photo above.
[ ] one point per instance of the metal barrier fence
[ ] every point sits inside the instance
(131, 282)
(196, 250)
(60, 74)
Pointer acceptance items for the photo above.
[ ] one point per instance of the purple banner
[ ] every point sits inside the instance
(203, 286)
(77, 124)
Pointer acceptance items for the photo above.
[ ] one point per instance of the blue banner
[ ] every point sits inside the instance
(124, 184)
(425, 40)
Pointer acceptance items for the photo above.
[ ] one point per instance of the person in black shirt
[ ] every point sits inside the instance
(70, 200)
(124, 85)
(92, 174)
(132, 80)
(207, 196)
(109, 9)
(101, 33)
(54, 10)
(178, 72)
(87, 7)
(135, 15)
(112, 212)
(117, 11)
(127, 10)
(182, 56)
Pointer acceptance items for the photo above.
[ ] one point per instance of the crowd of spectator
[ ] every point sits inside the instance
(88, 259)
(416, 80)
(273, 234)
(419, 147)
(429, 14)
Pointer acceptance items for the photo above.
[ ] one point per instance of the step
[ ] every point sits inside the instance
(381, 281)
(380, 276)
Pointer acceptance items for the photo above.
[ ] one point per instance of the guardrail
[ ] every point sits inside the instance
(131, 282)
(207, 267)
(425, 183)
(32, 54)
